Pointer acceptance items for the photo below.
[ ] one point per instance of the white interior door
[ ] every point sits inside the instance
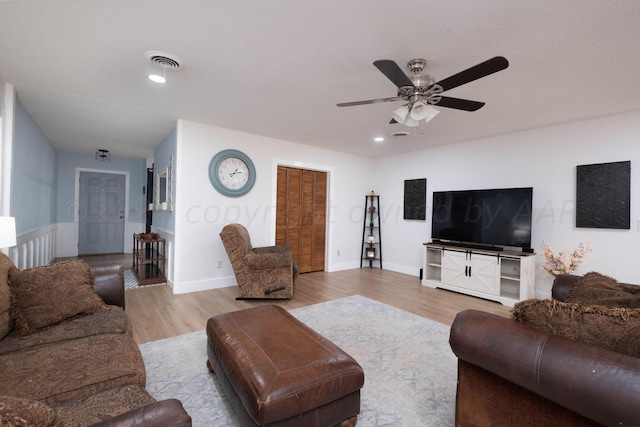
(101, 213)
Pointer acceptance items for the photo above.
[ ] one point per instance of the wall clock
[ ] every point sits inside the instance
(232, 173)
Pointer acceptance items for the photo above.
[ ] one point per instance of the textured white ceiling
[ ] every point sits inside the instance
(277, 68)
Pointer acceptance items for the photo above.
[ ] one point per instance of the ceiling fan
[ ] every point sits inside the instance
(421, 91)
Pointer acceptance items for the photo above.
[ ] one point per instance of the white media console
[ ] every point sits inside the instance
(503, 276)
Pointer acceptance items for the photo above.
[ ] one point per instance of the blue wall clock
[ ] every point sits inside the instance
(232, 173)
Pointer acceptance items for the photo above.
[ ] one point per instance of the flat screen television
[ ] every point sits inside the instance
(483, 218)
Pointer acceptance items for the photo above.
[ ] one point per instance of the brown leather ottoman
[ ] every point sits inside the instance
(277, 371)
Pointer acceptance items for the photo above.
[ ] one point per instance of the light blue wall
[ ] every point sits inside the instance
(165, 220)
(43, 180)
(33, 179)
(67, 164)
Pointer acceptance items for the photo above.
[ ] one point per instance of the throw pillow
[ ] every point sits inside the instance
(616, 329)
(22, 412)
(6, 323)
(49, 294)
(597, 289)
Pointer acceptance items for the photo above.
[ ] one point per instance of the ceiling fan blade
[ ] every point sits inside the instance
(394, 73)
(483, 69)
(459, 104)
(370, 101)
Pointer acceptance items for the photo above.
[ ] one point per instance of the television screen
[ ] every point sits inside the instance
(484, 217)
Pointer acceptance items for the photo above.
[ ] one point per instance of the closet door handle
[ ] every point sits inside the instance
(469, 271)
(466, 270)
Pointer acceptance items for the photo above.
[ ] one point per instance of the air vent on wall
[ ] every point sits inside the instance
(164, 60)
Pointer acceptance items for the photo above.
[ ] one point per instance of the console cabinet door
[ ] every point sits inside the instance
(455, 266)
(471, 271)
(484, 274)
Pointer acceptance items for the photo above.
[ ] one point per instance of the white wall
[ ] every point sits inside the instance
(201, 212)
(7, 107)
(544, 159)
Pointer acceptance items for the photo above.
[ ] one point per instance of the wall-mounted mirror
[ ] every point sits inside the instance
(163, 187)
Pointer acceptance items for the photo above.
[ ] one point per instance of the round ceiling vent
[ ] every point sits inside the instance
(164, 60)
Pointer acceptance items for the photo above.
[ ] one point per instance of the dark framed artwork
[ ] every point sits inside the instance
(370, 253)
(603, 195)
(415, 199)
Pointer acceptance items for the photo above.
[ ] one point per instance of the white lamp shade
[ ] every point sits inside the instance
(411, 122)
(400, 114)
(431, 113)
(7, 232)
(422, 111)
(419, 111)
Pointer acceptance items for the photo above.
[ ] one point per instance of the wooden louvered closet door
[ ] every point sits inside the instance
(301, 215)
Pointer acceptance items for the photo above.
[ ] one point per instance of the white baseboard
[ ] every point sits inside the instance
(205, 285)
(339, 266)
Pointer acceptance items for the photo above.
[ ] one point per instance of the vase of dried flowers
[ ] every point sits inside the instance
(562, 262)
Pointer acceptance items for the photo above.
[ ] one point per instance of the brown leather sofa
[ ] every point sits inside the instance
(512, 374)
(267, 272)
(84, 370)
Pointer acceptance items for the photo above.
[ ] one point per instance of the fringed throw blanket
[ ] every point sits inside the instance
(597, 289)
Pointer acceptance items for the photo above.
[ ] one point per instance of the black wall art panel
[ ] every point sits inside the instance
(603, 194)
(415, 199)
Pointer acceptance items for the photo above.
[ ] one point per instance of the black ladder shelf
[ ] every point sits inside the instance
(371, 237)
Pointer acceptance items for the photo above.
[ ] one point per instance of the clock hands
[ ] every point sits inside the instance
(235, 172)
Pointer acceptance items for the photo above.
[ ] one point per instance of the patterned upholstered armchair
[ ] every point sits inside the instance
(265, 272)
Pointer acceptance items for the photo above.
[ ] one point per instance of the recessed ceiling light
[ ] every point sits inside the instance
(378, 139)
(157, 78)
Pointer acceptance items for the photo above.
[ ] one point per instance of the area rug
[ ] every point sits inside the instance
(131, 280)
(410, 371)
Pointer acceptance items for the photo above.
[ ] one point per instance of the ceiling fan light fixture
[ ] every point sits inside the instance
(400, 115)
(419, 111)
(423, 111)
(432, 113)
(411, 122)
(103, 155)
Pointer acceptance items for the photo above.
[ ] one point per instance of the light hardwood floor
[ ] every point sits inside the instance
(157, 313)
